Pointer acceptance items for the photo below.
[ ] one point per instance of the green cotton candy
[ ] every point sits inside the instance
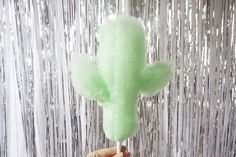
(121, 74)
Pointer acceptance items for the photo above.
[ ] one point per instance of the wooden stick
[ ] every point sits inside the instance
(118, 147)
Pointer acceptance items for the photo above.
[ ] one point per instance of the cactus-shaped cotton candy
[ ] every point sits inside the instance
(120, 75)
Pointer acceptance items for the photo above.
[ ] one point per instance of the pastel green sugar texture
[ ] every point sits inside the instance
(120, 75)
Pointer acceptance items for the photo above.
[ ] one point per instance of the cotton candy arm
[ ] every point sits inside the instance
(87, 80)
(155, 77)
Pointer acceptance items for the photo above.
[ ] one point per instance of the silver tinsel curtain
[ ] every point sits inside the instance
(42, 116)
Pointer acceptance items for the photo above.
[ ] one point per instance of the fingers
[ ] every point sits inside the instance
(119, 155)
(126, 153)
(123, 149)
(110, 152)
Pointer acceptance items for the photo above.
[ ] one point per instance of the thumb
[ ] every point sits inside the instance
(119, 155)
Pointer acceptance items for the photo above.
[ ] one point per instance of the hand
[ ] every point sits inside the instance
(110, 152)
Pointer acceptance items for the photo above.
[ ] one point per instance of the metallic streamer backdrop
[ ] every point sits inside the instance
(41, 115)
